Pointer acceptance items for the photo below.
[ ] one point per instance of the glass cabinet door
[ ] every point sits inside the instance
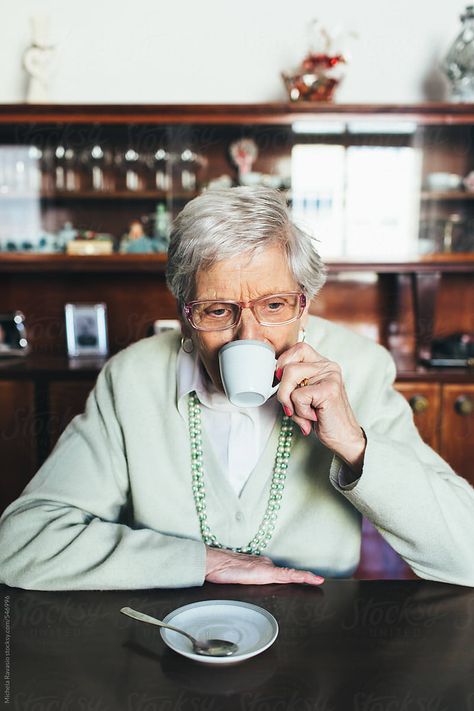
(369, 188)
(91, 189)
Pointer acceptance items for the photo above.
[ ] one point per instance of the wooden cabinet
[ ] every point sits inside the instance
(66, 400)
(444, 415)
(457, 428)
(38, 399)
(18, 438)
(400, 253)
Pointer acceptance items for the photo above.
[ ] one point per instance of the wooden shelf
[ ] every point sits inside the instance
(227, 114)
(22, 263)
(457, 262)
(60, 367)
(425, 195)
(45, 366)
(446, 195)
(97, 195)
(408, 370)
(27, 262)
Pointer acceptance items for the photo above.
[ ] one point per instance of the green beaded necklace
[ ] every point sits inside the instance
(267, 526)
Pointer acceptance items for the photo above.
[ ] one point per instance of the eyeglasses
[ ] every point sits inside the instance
(272, 310)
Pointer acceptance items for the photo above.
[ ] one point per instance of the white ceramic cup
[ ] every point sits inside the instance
(247, 370)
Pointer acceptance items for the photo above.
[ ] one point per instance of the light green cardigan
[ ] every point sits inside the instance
(112, 507)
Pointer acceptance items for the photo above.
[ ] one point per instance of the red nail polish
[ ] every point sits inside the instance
(278, 373)
(303, 431)
(287, 410)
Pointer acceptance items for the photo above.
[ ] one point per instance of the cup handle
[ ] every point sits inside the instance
(273, 390)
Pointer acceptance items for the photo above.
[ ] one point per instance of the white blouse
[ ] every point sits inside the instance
(226, 425)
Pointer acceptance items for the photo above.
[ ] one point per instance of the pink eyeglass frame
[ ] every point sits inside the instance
(187, 309)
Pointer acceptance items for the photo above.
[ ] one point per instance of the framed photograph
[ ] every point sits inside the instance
(86, 329)
(166, 324)
(13, 339)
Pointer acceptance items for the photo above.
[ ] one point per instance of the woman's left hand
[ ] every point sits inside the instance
(321, 403)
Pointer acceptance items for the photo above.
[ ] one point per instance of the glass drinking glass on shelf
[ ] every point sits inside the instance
(454, 233)
(191, 166)
(33, 169)
(161, 169)
(6, 170)
(66, 169)
(187, 171)
(132, 169)
(46, 160)
(20, 158)
(98, 168)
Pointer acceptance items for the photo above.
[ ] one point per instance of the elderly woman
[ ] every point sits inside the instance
(164, 483)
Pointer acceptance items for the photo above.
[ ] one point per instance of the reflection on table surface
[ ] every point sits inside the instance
(349, 645)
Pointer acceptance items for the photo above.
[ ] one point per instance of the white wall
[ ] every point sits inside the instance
(157, 51)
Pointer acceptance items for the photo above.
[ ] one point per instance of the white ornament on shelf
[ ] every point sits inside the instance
(37, 61)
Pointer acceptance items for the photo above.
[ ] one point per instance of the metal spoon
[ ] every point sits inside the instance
(210, 647)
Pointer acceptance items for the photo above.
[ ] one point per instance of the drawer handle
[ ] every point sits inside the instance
(464, 405)
(419, 403)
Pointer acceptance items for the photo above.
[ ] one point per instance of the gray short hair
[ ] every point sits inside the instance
(220, 224)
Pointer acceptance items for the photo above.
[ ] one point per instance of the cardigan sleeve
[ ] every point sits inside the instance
(68, 529)
(412, 496)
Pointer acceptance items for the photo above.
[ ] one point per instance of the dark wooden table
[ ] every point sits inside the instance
(350, 645)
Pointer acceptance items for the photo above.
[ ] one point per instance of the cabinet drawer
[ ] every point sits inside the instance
(457, 428)
(424, 400)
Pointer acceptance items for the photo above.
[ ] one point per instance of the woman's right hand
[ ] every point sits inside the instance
(223, 566)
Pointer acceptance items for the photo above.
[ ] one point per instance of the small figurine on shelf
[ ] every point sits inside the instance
(244, 153)
(162, 228)
(64, 236)
(459, 62)
(135, 241)
(37, 61)
(47, 243)
(322, 69)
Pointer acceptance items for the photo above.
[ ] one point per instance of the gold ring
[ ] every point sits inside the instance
(303, 383)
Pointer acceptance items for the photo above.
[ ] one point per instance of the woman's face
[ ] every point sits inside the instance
(245, 278)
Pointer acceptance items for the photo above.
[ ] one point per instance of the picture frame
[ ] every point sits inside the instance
(13, 340)
(86, 329)
(166, 324)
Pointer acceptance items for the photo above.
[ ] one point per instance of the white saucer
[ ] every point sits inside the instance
(251, 627)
